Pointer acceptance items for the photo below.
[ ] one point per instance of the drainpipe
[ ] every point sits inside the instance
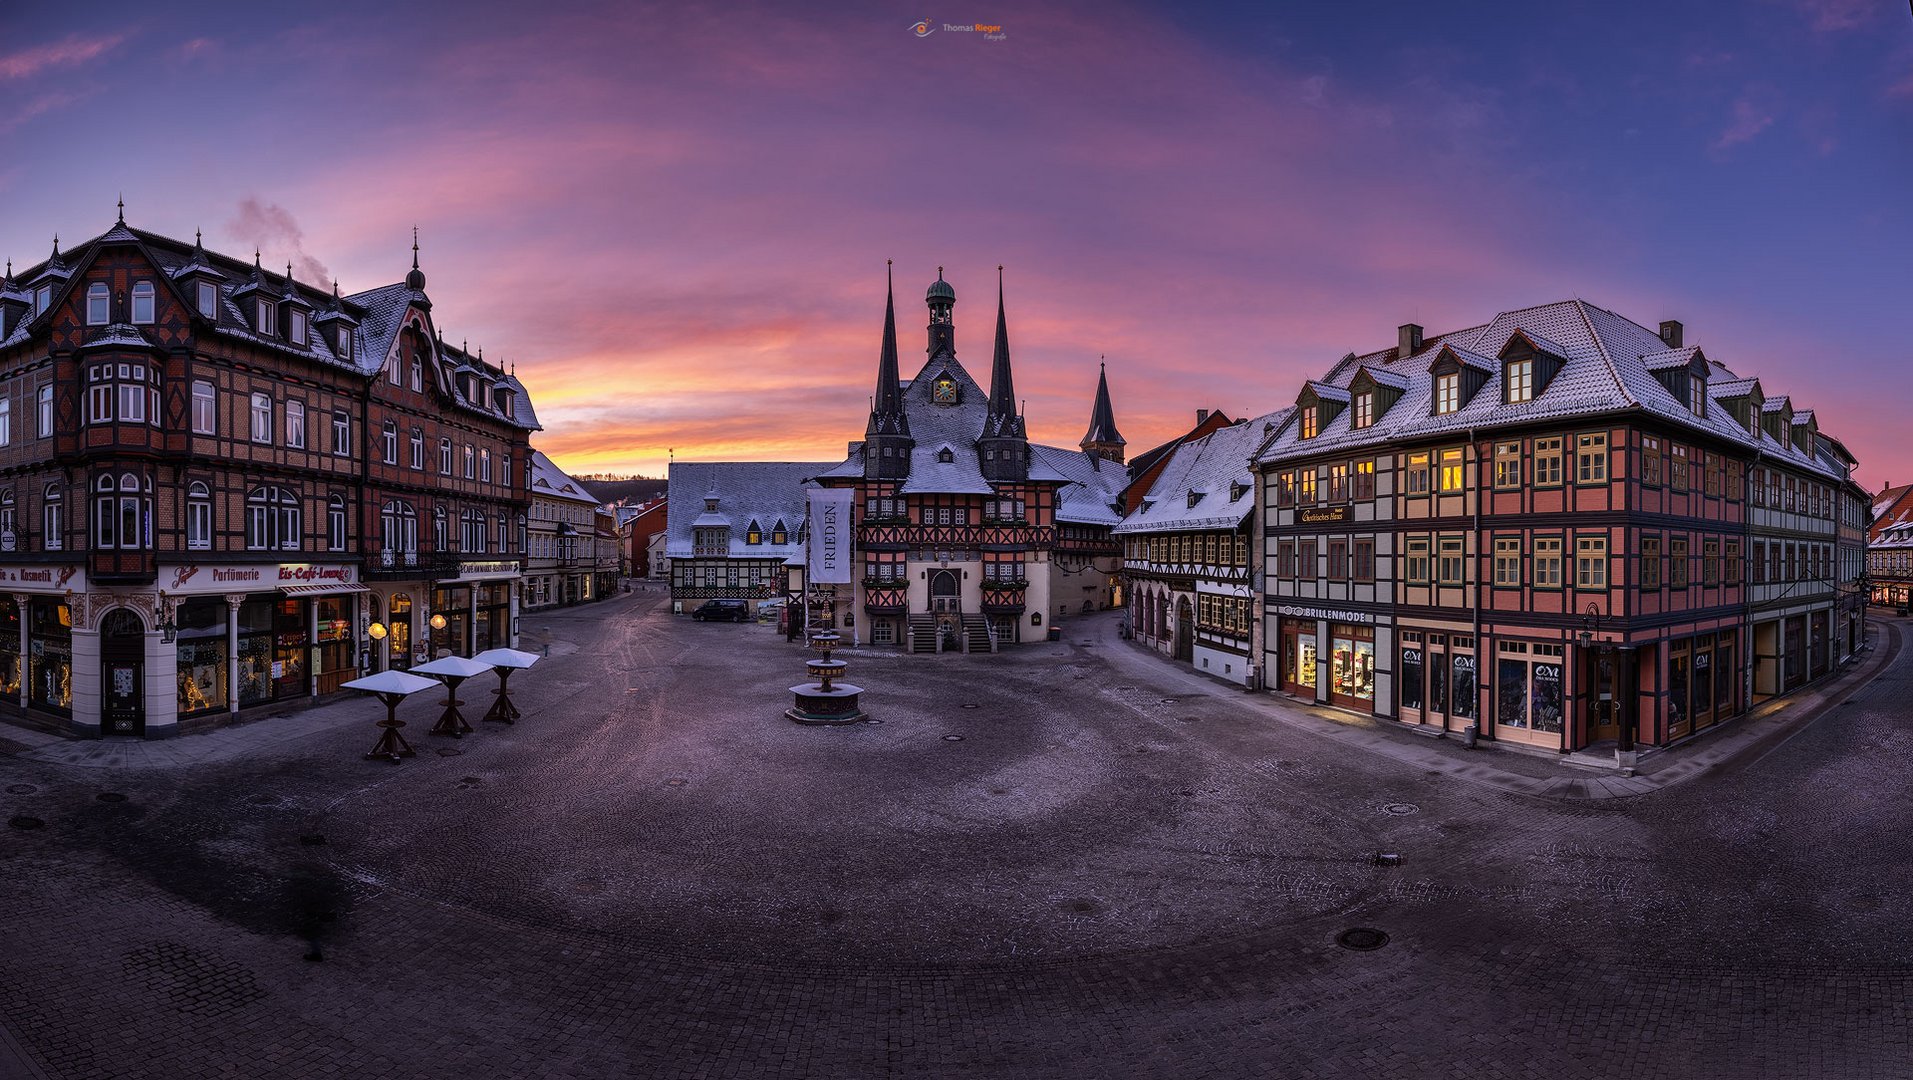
(1480, 664)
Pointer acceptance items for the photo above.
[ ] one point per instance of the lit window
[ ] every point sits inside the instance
(98, 301)
(143, 302)
(1447, 393)
(1363, 410)
(485, 466)
(1451, 470)
(1308, 422)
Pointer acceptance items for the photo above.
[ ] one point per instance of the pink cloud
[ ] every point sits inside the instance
(1748, 121)
(40, 105)
(1832, 16)
(271, 230)
(31, 61)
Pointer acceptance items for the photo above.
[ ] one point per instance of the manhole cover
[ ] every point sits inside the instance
(971, 705)
(110, 796)
(22, 821)
(676, 781)
(1361, 939)
(21, 789)
(446, 751)
(1400, 809)
(953, 738)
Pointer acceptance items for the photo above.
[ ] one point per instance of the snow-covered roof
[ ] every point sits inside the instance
(1090, 488)
(550, 482)
(1208, 483)
(1604, 371)
(765, 492)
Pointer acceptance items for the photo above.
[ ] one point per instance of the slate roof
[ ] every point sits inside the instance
(548, 480)
(379, 312)
(1211, 467)
(763, 491)
(1603, 372)
(1090, 485)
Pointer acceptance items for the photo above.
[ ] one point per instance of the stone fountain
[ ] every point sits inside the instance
(826, 701)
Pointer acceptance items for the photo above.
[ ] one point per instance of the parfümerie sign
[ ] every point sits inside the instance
(253, 577)
(1328, 614)
(829, 559)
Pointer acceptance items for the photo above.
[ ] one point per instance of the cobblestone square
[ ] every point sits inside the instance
(1064, 860)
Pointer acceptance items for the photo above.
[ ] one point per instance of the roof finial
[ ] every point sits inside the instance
(122, 205)
(939, 273)
(288, 271)
(197, 242)
(335, 288)
(56, 245)
(415, 247)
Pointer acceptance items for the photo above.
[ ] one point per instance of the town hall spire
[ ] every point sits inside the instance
(1003, 444)
(887, 441)
(1102, 439)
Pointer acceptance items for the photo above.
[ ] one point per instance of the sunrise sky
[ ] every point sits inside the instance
(674, 219)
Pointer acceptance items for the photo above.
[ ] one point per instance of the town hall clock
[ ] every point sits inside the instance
(944, 391)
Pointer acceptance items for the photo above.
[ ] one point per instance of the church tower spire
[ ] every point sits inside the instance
(887, 441)
(1102, 439)
(1003, 444)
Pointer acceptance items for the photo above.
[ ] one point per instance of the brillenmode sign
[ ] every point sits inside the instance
(1327, 614)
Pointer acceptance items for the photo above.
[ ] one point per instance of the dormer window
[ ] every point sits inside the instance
(1236, 490)
(1308, 424)
(97, 302)
(780, 534)
(945, 456)
(42, 298)
(296, 328)
(754, 534)
(1364, 410)
(710, 504)
(266, 318)
(345, 342)
(1518, 381)
(1697, 394)
(1447, 393)
(143, 303)
(1194, 498)
(209, 299)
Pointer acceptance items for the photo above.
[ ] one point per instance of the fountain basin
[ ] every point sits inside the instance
(816, 705)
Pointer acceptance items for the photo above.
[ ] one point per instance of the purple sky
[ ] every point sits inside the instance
(675, 221)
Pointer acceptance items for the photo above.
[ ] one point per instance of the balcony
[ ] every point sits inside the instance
(408, 566)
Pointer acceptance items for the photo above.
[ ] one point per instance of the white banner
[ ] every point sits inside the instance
(828, 559)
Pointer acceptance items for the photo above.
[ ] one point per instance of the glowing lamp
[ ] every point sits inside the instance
(377, 631)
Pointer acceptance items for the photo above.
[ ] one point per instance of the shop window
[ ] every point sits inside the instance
(50, 627)
(201, 664)
(1462, 686)
(1411, 680)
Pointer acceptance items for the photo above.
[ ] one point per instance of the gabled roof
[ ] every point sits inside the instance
(550, 482)
(1090, 485)
(768, 491)
(1216, 468)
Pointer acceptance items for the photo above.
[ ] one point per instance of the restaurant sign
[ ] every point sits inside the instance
(256, 577)
(1325, 515)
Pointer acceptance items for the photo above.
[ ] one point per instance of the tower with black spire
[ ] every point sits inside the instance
(1102, 440)
(1003, 446)
(887, 441)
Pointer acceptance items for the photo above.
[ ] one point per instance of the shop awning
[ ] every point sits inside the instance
(467, 579)
(321, 590)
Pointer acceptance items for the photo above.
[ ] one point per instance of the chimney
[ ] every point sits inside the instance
(1202, 417)
(1408, 337)
(1671, 333)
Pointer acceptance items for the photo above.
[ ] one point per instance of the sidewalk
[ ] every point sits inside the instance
(1747, 737)
(273, 735)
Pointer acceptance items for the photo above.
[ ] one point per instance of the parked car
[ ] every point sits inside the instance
(770, 609)
(723, 611)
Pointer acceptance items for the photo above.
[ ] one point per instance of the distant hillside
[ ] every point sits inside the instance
(636, 489)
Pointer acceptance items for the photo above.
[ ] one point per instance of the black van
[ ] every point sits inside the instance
(723, 611)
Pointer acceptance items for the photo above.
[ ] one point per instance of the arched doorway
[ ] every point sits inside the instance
(122, 665)
(1185, 631)
(947, 605)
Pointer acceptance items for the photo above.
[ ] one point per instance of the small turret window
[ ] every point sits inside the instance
(755, 534)
(945, 456)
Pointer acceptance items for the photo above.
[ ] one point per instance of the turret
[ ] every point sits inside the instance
(941, 298)
(1102, 439)
(887, 441)
(1003, 445)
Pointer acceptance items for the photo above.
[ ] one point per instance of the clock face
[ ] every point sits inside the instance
(944, 391)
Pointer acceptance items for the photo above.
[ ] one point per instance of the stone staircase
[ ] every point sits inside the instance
(976, 634)
(921, 635)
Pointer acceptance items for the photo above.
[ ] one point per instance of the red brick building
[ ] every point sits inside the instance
(215, 480)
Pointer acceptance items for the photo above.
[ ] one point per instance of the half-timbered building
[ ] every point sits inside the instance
(971, 537)
(559, 545)
(1538, 529)
(734, 529)
(1190, 547)
(189, 517)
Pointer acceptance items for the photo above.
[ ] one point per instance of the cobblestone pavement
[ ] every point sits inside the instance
(1109, 873)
